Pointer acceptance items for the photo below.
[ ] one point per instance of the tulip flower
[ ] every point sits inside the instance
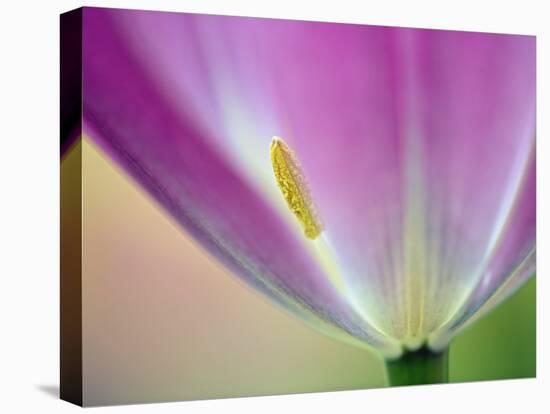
(377, 183)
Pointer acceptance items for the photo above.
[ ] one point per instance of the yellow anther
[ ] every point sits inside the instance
(293, 186)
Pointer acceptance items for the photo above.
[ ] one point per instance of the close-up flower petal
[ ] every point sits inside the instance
(397, 204)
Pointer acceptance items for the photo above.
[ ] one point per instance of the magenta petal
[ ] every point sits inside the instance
(474, 100)
(418, 146)
(169, 155)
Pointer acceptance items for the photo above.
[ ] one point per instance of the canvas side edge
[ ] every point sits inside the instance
(71, 207)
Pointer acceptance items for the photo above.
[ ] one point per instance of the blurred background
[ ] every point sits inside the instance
(163, 321)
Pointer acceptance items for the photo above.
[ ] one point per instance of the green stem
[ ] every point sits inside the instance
(419, 367)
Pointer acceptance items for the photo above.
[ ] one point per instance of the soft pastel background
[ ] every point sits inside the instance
(163, 321)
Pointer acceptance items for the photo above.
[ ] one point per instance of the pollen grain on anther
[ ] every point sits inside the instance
(294, 188)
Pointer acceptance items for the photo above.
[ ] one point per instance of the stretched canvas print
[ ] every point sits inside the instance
(260, 206)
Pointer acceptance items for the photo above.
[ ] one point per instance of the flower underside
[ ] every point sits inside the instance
(418, 147)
